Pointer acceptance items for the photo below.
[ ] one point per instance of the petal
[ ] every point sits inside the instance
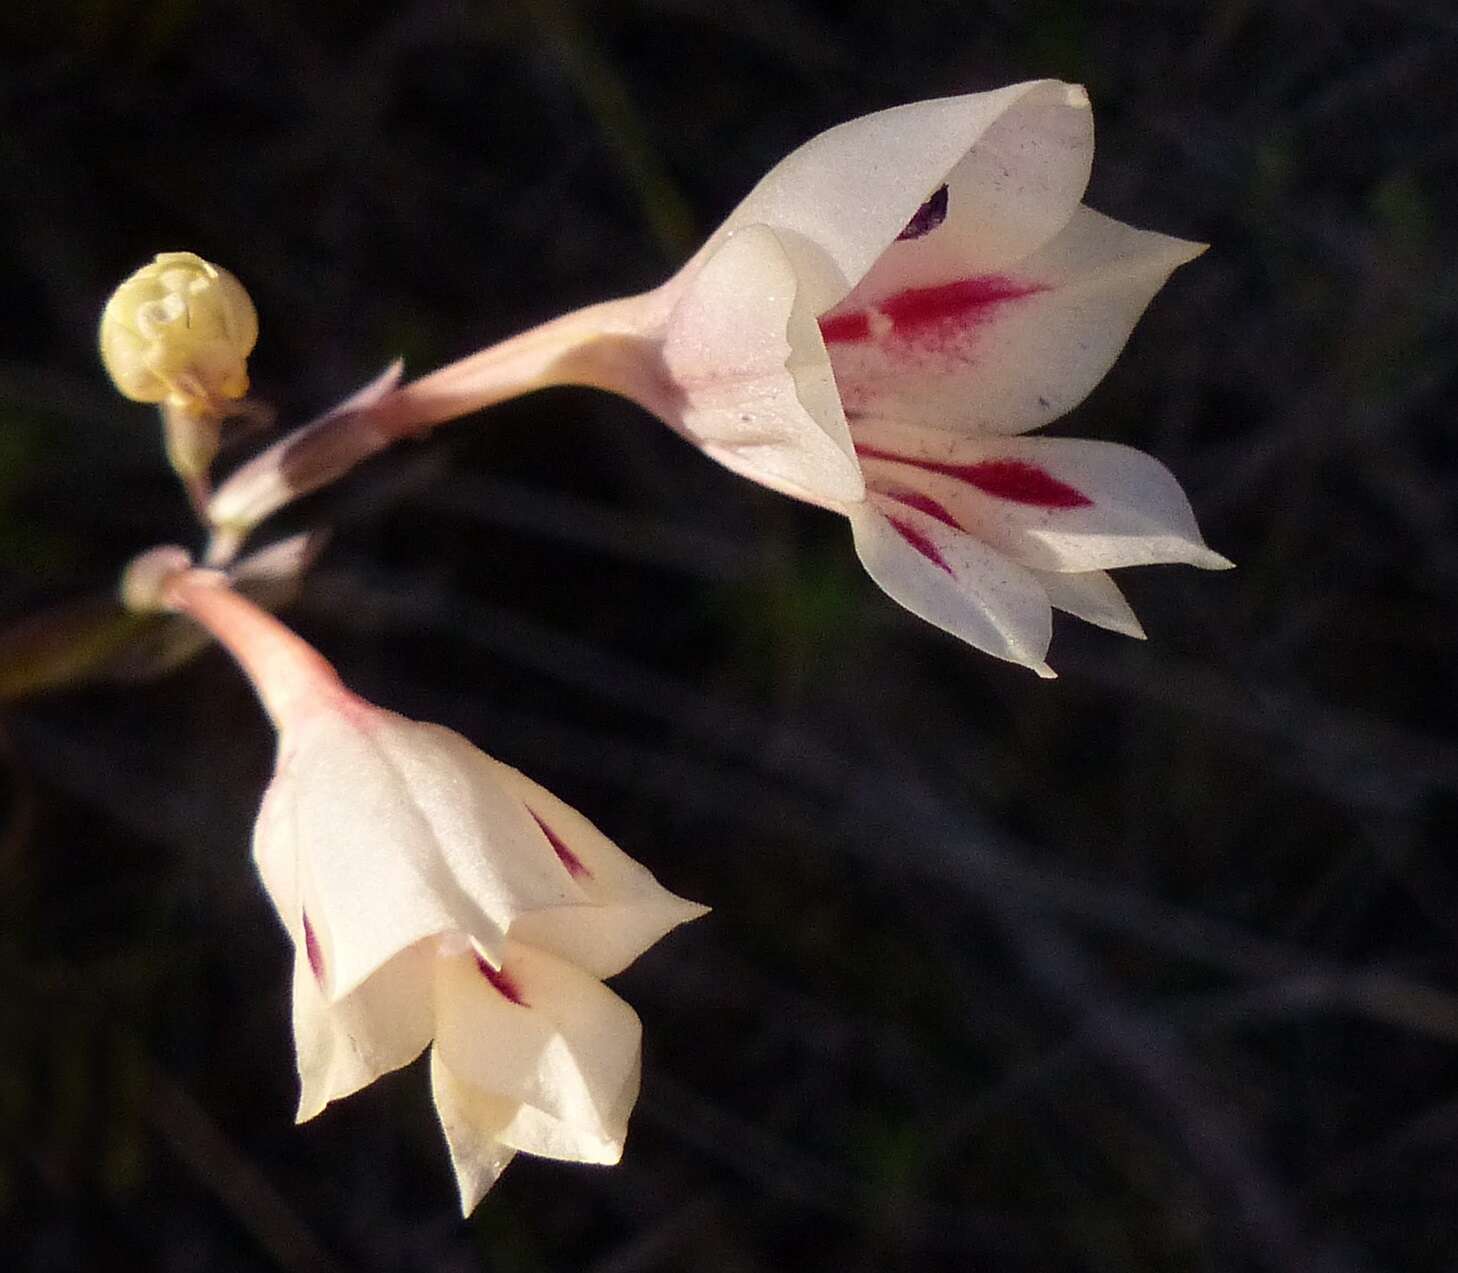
(1016, 160)
(1092, 596)
(756, 387)
(386, 831)
(1003, 352)
(276, 851)
(544, 1036)
(954, 581)
(492, 845)
(472, 1121)
(382, 1025)
(626, 910)
(536, 1131)
(1063, 504)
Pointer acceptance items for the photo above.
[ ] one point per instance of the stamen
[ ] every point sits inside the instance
(927, 217)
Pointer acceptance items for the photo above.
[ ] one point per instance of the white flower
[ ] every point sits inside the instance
(433, 893)
(436, 897)
(887, 311)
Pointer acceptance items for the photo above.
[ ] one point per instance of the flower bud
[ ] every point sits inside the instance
(179, 332)
(147, 576)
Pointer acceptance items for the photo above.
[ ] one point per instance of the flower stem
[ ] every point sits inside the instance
(561, 352)
(284, 668)
(608, 345)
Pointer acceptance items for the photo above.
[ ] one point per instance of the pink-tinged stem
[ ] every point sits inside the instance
(284, 668)
(565, 351)
(607, 346)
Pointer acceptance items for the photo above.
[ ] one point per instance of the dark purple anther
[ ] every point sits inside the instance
(313, 951)
(930, 215)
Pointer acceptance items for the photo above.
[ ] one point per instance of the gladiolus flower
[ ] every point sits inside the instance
(882, 317)
(872, 330)
(436, 897)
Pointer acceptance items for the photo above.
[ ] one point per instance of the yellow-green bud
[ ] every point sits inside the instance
(179, 332)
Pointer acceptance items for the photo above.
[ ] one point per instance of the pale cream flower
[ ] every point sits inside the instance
(438, 898)
(888, 311)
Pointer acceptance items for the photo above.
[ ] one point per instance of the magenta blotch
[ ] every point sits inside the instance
(961, 304)
(1013, 480)
(923, 504)
(500, 981)
(569, 859)
(921, 543)
(963, 301)
(844, 328)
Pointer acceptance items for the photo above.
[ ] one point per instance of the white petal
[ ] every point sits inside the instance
(472, 1121)
(1009, 351)
(345, 847)
(1092, 596)
(384, 832)
(382, 1025)
(954, 581)
(276, 851)
(626, 910)
(534, 1130)
(542, 1035)
(1017, 159)
(757, 392)
(492, 846)
(1065, 504)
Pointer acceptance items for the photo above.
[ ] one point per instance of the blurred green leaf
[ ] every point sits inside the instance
(70, 643)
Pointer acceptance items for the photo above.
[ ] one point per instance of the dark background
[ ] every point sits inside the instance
(1149, 968)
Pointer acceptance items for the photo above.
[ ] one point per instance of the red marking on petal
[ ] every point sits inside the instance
(501, 981)
(922, 504)
(958, 305)
(964, 302)
(569, 859)
(1023, 483)
(1013, 480)
(846, 327)
(921, 543)
(313, 951)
